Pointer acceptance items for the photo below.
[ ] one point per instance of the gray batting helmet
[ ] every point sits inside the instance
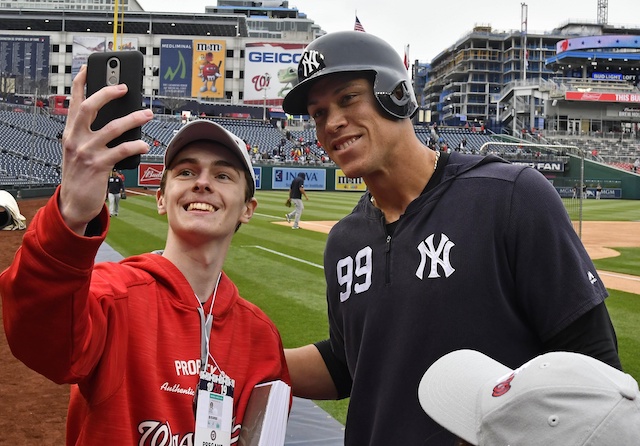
(354, 51)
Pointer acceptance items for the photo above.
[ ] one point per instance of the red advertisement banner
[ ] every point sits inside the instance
(601, 97)
(149, 174)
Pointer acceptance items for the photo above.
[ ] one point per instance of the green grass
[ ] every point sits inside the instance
(604, 210)
(627, 263)
(281, 270)
(624, 309)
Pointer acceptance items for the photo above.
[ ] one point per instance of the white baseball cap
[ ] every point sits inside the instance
(558, 398)
(204, 129)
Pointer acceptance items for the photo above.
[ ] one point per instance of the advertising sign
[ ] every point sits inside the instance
(257, 171)
(343, 182)
(25, 57)
(207, 78)
(543, 166)
(314, 179)
(597, 42)
(192, 68)
(270, 71)
(150, 174)
(609, 192)
(176, 58)
(84, 45)
(602, 97)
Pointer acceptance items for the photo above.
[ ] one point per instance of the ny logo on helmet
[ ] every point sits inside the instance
(312, 62)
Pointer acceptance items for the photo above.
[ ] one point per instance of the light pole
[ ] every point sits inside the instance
(33, 137)
(150, 78)
(267, 78)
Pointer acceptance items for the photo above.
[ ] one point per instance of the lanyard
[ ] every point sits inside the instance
(205, 329)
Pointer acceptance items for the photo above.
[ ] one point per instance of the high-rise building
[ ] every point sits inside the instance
(515, 83)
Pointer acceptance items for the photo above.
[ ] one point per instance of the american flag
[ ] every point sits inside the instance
(358, 26)
(406, 57)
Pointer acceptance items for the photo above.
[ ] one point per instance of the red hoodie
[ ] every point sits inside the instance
(127, 336)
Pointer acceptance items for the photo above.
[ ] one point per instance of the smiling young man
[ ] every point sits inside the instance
(443, 251)
(159, 348)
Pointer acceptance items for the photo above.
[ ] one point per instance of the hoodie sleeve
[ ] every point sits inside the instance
(557, 281)
(50, 322)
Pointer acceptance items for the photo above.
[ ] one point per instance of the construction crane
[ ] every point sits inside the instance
(603, 6)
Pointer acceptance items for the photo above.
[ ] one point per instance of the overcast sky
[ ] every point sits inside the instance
(429, 27)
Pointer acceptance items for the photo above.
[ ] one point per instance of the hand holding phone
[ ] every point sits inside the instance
(113, 68)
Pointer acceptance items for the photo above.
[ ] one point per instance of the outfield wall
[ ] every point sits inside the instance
(268, 177)
(616, 183)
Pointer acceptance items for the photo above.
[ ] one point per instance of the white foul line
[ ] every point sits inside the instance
(286, 255)
(268, 216)
(618, 276)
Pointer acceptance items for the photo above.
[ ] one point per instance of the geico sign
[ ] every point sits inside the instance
(270, 57)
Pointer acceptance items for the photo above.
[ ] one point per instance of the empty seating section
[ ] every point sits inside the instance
(161, 131)
(453, 136)
(620, 151)
(31, 152)
(255, 133)
(29, 148)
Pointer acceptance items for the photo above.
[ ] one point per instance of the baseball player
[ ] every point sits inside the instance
(115, 187)
(296, 191)
(150, 342)
(444, 251)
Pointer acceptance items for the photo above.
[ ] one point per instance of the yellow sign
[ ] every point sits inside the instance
(208, 69)
(343, 182)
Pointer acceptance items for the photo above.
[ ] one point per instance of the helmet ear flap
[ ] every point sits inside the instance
(400, 102)
(400, 92)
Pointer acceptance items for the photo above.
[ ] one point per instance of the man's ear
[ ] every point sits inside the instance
(249, 209)
(160, 204)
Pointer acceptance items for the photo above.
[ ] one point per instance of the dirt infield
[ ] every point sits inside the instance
(597, 236)
(33, 410)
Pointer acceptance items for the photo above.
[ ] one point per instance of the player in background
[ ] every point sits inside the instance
(296, 191)
(443, 251)
(115, 188)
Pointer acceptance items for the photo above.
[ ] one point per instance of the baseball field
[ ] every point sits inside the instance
(281, 271)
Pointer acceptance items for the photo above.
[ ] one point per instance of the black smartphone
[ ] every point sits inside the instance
(112, 68)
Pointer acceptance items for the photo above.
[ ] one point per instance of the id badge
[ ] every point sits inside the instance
(214, 411)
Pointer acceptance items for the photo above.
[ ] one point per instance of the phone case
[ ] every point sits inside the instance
(127, 69)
